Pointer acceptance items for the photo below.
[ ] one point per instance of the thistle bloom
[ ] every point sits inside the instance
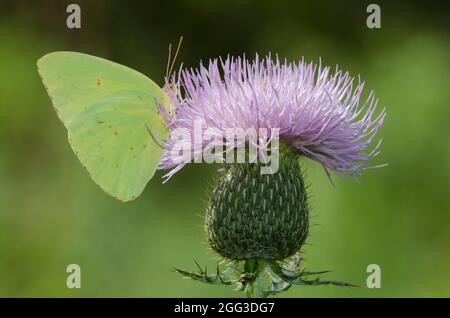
(262, 219)
(318, 113)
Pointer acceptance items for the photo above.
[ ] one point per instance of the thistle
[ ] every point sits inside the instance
(259, 221)
(265, 113)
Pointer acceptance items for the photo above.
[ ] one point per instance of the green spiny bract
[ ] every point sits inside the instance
(258, 216)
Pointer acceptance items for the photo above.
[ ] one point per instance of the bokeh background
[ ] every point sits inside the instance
(52, 214)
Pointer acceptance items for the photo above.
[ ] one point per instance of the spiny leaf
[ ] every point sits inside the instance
(219, 278)
(296, 277)
(277, 286)
(317, 282)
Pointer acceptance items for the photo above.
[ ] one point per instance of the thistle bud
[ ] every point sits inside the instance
(258, 216)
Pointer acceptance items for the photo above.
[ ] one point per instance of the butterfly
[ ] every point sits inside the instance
(113, 115)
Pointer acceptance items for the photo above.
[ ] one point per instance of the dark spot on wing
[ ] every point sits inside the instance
(98, 82)
(116, 132)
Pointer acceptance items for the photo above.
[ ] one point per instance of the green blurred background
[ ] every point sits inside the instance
(52, 214)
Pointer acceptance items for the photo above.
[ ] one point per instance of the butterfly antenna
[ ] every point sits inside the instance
(175, 56)
(153, 136)
(168, 60)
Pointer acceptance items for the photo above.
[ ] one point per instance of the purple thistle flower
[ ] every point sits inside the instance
(318, 114)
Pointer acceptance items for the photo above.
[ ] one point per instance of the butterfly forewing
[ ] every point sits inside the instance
(105, 107)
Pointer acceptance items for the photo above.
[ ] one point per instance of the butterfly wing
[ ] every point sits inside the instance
(105, 107)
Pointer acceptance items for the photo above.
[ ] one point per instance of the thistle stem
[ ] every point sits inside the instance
(254, 275)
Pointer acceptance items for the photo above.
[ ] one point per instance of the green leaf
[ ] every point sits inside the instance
(297, 277)
(105, 107)
(220, 278)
